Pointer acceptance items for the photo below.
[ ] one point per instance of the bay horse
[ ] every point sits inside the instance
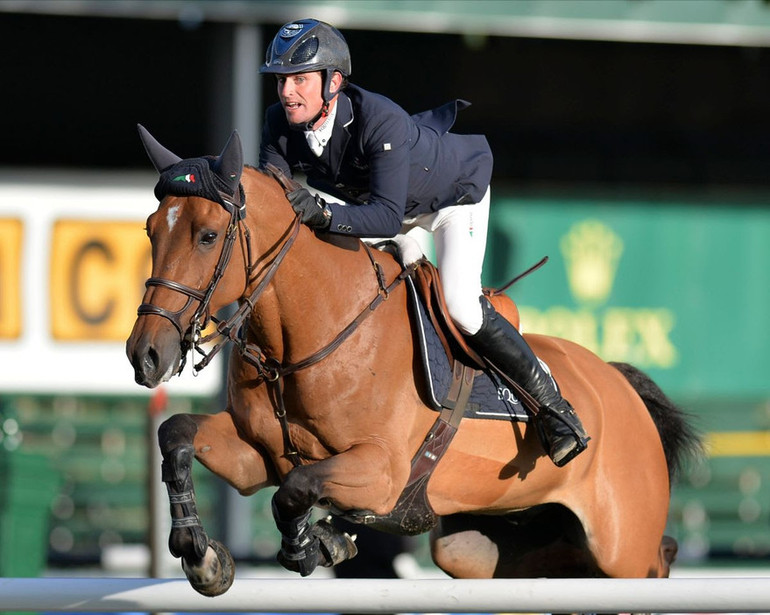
(325, 401)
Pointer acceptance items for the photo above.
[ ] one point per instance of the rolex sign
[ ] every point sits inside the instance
(680, 290)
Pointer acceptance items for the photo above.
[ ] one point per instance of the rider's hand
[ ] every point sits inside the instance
(409, 251)
(313, 209)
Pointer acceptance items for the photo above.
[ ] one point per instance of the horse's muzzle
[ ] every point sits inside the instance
(155, 358)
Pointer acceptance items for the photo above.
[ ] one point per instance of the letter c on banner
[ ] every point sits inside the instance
(79, 282)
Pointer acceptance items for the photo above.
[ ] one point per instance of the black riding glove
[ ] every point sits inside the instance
(314, 210)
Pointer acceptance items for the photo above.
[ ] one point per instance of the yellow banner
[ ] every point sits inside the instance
(11, 233)
(98, 270)
(738, 444)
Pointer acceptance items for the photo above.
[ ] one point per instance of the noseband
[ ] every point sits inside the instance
(201, 317)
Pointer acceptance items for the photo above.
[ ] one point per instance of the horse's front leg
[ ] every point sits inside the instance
(207, 564)
(360, 479)
(214, 440)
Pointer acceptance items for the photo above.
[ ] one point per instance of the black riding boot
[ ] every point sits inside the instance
(502, 345)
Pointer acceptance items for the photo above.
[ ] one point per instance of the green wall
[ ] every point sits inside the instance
(679, 290)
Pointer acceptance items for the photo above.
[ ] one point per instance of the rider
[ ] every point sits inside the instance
(392, 172)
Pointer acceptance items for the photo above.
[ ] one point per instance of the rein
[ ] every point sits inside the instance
(230, 330)
(277, 370)
(273, 371)
(268, 368)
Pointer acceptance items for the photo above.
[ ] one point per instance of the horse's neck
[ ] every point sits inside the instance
(317, 291)
(318, 288)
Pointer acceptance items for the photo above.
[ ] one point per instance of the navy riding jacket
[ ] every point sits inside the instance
(384, 163)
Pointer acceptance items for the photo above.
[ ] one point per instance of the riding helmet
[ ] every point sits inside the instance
(308, 45)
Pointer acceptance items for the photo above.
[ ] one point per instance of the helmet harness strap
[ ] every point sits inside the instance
(324, 111)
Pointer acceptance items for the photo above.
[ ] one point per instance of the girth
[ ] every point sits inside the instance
(413, 513)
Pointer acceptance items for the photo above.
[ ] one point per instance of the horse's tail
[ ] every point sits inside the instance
(680, 439)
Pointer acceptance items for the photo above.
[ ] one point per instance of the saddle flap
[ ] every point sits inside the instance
(490, 396)
(428, 284)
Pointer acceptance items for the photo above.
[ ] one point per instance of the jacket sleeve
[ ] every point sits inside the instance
(272, 147)
(386, 146)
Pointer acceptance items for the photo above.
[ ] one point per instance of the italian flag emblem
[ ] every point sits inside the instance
(189, 178)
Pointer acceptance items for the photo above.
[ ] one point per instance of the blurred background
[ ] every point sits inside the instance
(632, 147)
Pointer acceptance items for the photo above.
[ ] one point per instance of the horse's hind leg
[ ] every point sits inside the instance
(544, 541)
(207, 563)
(667, 555)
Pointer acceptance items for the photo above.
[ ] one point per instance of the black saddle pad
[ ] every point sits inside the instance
(490, 397)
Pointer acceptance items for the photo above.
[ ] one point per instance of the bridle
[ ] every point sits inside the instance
(190, 338)
(230, 330)
(269, 369)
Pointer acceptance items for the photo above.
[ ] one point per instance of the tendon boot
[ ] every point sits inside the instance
(503, 347)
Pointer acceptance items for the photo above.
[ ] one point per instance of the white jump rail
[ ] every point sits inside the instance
(683, 595)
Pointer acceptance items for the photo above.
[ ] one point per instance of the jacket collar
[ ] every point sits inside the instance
(344, 111)
(339, 143)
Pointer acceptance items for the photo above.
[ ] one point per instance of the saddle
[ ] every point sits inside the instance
(428, 283)
(460, 385)
(412, 513)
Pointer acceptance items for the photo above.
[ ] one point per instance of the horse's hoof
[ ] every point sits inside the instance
(214, 575)
(336, 546)
(303, 560)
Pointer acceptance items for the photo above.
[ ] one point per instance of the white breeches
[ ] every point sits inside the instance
(460, 239)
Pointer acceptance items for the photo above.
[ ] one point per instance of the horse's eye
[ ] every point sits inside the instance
(208, 237)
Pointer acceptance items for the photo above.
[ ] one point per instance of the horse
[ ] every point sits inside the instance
(325, 401)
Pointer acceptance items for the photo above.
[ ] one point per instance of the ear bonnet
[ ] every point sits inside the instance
(215, 178)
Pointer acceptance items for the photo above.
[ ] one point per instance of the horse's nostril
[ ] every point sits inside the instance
(151, 359)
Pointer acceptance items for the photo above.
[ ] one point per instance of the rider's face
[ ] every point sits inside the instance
(301, 97)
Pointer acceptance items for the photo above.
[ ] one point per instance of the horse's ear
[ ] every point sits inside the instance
(160, 157)
(229, 165)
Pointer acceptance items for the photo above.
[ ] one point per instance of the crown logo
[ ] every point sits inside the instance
(591, 253)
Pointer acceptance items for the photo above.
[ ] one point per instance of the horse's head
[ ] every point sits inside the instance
(193, 233)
